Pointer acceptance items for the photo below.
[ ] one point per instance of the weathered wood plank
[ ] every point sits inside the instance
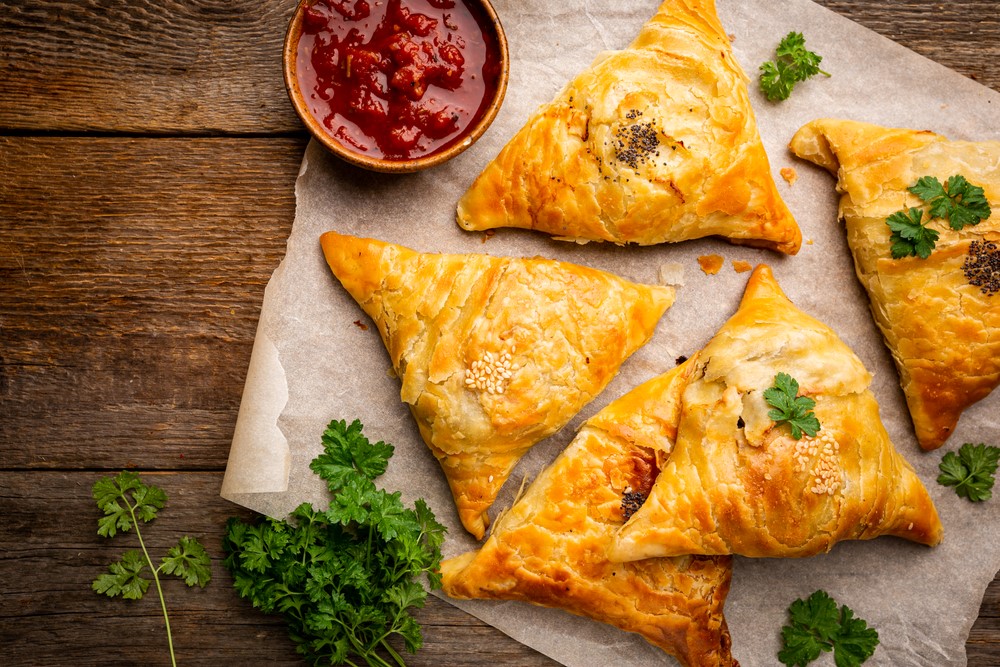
(171, 66)
(49, 615)
(213, 66)
(131, 277)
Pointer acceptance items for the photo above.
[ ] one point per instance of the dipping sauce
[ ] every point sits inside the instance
(397, 79)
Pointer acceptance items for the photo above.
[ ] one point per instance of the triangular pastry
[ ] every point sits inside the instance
(940, 316)
(549, 547)
(494, 354)
(655, 143)
(738, 482)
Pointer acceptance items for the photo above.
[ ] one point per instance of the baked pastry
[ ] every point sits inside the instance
(655, 143)
(494, 354)
(549, 547)
(940, 316)
(739, 482)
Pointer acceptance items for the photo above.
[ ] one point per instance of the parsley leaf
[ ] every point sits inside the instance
(818, 626)
(958, 201)
(347, 454)
(793, 63)
(345, 578)
(910, 236)
(970, 471)
(124, 577)
(125, 502)
(791, 408)
(188, 560)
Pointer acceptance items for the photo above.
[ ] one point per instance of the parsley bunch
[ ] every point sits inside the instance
(126, 501)
(819, 626)
(791, 408)
(959, 202)
(970, 471)
(344, 578)
(793, 64)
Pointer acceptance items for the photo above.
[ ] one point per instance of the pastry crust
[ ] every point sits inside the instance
(655, 143)
(737, 482)
(943, 332)
(549, 548)
(494, 354)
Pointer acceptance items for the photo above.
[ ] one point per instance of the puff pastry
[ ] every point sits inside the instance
(494, 354)
(549, 547)
(942, 329)
(737, 482)
(655, 143)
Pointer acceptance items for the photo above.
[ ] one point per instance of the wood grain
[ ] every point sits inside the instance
(213, 66)
(50, 616)
(148, 155)
(131, 277)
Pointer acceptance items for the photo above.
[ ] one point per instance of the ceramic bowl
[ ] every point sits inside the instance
(488, 21)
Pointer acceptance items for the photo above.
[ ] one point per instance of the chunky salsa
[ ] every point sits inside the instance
(397, 79)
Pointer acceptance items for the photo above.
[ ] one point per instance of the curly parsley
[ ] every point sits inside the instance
(793, 64)
(970, 471)
(126, 501)
(344, 578)
(791, 408)
(818, 626)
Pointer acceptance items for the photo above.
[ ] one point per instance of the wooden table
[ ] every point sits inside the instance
(148, 155)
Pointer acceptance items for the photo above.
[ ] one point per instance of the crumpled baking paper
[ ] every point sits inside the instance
(316, 356)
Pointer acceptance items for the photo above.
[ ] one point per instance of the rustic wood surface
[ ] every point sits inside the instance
(148, 155)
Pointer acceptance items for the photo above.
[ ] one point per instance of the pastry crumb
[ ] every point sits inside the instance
(809, 241)
(710, 264)
(488, 234)
(789, 174)
(361, 325)
(672, 274)
(740, 266)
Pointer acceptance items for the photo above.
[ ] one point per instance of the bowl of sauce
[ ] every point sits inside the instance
(396, 85)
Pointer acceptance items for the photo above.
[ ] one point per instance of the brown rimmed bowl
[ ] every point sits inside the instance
(360, 159)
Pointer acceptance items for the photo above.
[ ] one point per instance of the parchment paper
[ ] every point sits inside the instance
(318, 358)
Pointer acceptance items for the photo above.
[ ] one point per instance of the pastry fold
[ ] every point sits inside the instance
(651, 144)
(494, 354)
(737, 482)
(550, 547)
(942, 329)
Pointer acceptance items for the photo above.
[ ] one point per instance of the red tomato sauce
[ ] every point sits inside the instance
(397, 79)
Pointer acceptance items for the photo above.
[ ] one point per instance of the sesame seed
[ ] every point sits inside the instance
(822, 451)
(491, 372)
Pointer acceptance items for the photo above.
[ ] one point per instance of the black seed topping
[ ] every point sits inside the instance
(631, 502)
(982, 266)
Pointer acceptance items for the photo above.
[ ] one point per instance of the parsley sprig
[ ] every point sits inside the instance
(818, 626)
(126, 502)
(793, 64)
(910, 236)
(791, 408)
(970, 471)
(344, 578)
(959, 202)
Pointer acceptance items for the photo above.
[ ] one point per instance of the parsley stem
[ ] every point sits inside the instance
(156, 580)
(395, 656)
